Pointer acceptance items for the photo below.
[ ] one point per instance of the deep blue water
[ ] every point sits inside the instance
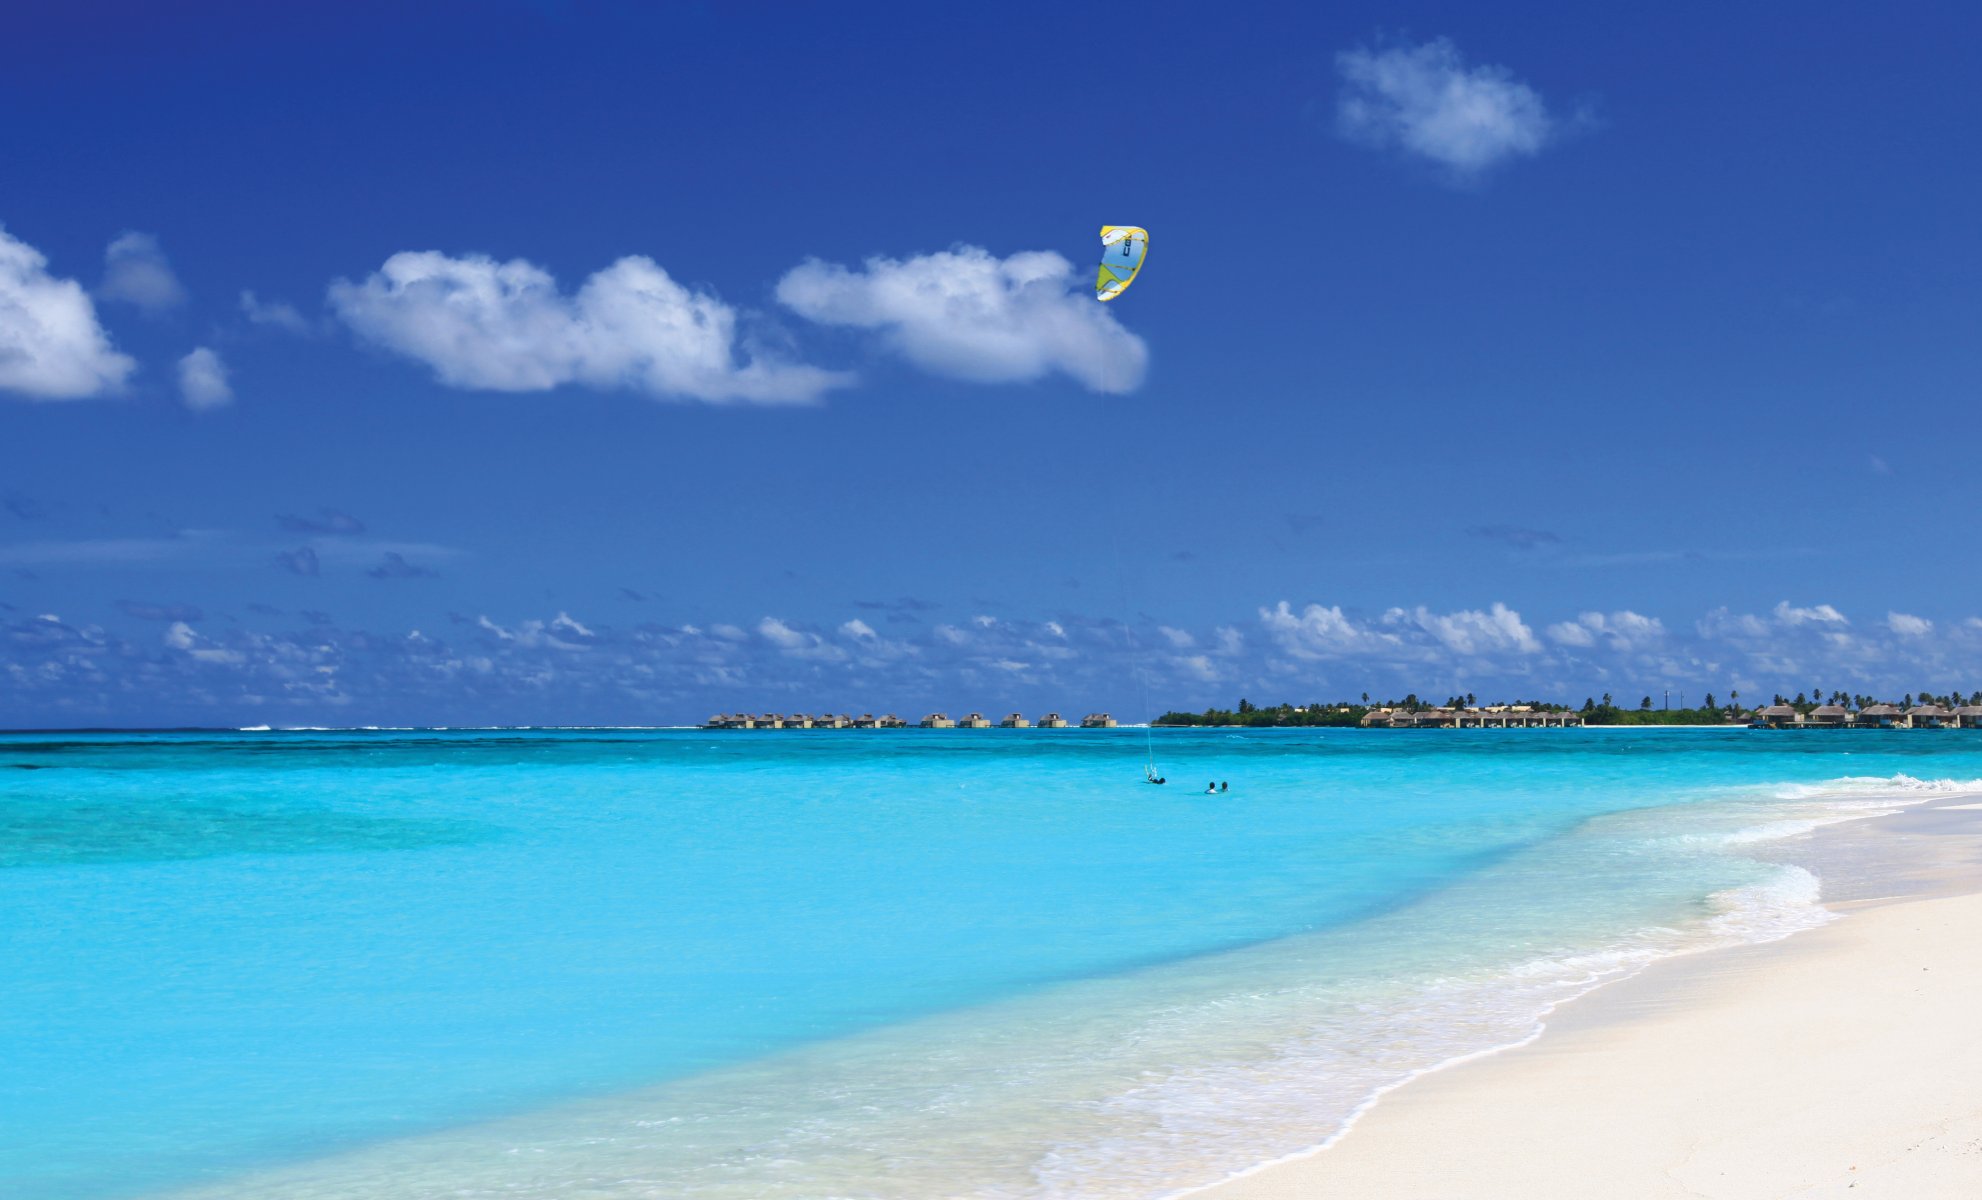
(230, 951)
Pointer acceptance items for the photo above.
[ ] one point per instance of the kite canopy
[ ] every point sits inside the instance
(1122, 250)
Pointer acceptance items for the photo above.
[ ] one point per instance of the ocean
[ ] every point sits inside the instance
(874, 964)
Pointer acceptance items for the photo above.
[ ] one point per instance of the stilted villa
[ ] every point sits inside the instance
(1499, 716)
(976, 720)
(1872, 716)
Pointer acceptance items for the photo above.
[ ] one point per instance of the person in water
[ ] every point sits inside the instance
(1211, 789)
(1224, 787)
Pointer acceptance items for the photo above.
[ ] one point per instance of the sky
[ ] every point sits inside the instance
(510, 363)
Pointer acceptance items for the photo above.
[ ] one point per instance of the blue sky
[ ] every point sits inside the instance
(582, 363)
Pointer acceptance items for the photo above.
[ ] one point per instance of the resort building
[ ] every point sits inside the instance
(1968, 716)
(1929, 716)
(1499, 716)
(1015, 721)
(1829, 714)
(938, 721)
(891, 721)
(1052, 721)
(839, 722)
(1097, 721)
(1882, 716)
(1779, 716)
(974, 721)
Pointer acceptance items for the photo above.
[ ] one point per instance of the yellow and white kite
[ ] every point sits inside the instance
(1122, 250)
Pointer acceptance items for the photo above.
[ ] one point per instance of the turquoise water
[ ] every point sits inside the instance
(853, 963)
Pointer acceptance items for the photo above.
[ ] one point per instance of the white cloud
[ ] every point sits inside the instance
(136, 272)
(566, 623)
(1470, 632)
(1907, 625)
(203, 380)
(275, 313)
(51, 347)
(507, 327)
(1822, 614)
(1179, 638)
(182, 637)
(967, 314)
(858, 630)
(1623, 630)
(1425, 100)
(1198, 667)
(1315, 632)
(1725, 623)
(781, 635)
(797, 643)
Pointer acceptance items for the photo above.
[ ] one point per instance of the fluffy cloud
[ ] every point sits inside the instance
(1470, 632)
(275, 314)
(1317, 632)
(135, 271)
(1625, 630)
(51, 347)
(969, 315)
(1907, 625)
(506, 326)
(797, 643)
(203, 380)
(1822, 614)
(1424, 100)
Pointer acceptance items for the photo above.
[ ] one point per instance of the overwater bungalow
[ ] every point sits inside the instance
(938, 721)
(1929, 716)
(1052, 720)
(1779, 716)
(1833, 715)
(1015, 721)
(1097, 721)
(890, 721)
(974, 721)
(1882, 716)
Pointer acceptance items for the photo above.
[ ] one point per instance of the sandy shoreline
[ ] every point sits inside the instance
(1844, 1061)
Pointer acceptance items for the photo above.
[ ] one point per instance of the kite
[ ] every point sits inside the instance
(1122, 250)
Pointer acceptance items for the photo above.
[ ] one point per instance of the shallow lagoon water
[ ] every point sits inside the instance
(810, 963)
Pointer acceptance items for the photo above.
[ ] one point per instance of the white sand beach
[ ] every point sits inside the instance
(1845, 1061)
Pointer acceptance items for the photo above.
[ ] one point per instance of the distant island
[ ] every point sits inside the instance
(1837, 709)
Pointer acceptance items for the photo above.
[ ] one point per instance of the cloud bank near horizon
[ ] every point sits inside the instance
(576, 667)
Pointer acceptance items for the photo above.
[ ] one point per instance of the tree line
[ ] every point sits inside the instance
(1606, 710)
